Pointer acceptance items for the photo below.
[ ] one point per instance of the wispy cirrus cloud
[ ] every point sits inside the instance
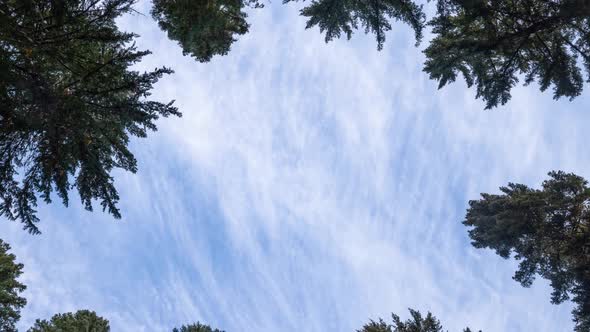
(307, 186)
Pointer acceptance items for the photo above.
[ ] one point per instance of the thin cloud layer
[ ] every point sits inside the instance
(307, 185)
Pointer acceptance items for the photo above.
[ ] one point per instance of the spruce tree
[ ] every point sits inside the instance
(496, 43)
(417, 323)
(197, 327)
(376, 326)
(10, 288)
(342, 17)
(69, 103)
(82, 320)
(203, 28)
(547, 230)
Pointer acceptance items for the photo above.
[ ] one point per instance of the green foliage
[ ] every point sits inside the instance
(198, 327)
(338, 17)
(68, 103)
(10, 288)
(493, 43)
(547, 230)
(203, 28)
(379, 326)
(82, 320)
(417, 323)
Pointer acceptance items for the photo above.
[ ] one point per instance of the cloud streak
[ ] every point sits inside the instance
(307, 186)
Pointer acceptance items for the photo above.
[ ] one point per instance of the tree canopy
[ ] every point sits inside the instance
(206, 28)
(341, 17)
(417, 323)
(197, 327)
(69, 103)
(496, 43)
(89, 321)
(82, 320)
(10, 288)
(547, 230)
(203, 28)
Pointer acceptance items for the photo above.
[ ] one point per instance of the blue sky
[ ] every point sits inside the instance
(307, 187)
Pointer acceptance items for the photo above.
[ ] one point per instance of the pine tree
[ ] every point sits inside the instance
(197, 327)
(495, 43)
(203, 28)
(376, 326)
(417, 323)
(82, 320)
(69, 103)
(547, 230)
(342, 17)
(10, 288)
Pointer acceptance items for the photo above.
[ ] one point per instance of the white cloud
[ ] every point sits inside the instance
(307, 185)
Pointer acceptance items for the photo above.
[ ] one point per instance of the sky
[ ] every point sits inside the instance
(307, 187)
